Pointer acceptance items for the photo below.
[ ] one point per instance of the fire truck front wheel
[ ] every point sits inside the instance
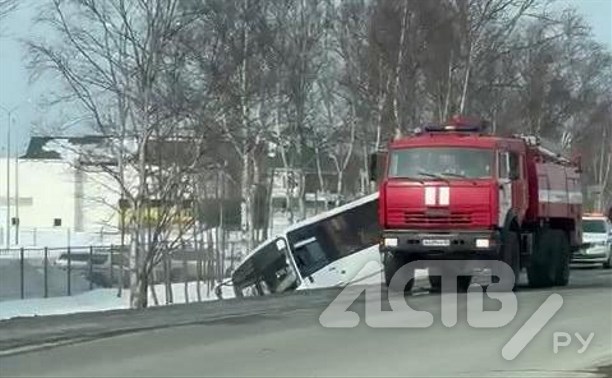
(511, 254)
(549, 263)
(392, 262)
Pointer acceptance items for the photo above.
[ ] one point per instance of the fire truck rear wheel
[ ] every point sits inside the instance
(608, 263)
(563, 259)
(543, 267)
(511, 254)
(392, 263)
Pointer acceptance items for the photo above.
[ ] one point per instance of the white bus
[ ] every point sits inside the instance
(328, 250)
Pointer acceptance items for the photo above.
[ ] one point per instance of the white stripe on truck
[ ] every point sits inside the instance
(560, 196)
(430, 196)
(444, 198)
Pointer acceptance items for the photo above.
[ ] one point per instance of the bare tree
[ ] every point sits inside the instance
(316, 83)
(7, 7)
(113, 60)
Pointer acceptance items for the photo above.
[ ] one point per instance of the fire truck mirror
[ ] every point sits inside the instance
(577, 161)
(373, 166)
(377, 166)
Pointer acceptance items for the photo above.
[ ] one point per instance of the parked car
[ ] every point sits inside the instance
(81, 260)
(183, 266)
(96, 266)
(597, 238)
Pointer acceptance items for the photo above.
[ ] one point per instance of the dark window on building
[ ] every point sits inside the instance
(57, 222)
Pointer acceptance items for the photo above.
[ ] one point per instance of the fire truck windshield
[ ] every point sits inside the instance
(437, 162)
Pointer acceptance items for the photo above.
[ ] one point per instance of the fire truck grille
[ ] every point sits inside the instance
(449, 218)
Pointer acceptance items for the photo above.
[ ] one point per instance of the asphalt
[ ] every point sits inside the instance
(282, 336)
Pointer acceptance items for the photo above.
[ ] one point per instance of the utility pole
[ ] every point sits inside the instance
(17, 220)
(8, 173)
(8, 181)
(8, 178)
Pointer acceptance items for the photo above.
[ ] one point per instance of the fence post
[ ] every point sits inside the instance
(121, 270)
(46, 293)
(90, 267)
(21, 279)
(68, 271)
(112, 270)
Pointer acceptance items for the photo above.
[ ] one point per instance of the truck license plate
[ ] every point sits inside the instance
(436, 242)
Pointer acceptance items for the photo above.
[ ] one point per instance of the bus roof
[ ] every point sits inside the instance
(331, 213)
(311, 220)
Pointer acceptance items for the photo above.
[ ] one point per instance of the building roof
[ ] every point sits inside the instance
(36, 149)
(39, 148)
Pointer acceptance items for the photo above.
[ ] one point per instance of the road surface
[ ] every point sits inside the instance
(282, 336)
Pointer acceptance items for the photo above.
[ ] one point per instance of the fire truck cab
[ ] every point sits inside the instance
(454, 192)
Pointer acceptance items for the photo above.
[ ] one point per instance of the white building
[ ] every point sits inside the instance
(54, 203)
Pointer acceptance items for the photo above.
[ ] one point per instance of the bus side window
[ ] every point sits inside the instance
(353, 230)
(310, 257)
(337, 236)
(299, 260)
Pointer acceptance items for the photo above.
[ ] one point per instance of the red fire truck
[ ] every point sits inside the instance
(454, 192)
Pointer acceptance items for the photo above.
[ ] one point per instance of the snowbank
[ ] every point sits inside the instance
(96, 300)
(106, 299)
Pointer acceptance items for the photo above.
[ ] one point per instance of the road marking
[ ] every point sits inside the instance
(532, 326)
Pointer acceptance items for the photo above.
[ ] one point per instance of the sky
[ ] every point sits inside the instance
(17, 92)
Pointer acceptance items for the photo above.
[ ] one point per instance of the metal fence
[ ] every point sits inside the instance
(51, 272)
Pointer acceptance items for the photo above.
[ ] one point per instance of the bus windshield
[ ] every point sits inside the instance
(447, 162)
(267, 271)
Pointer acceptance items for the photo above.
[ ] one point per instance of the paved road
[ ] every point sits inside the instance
(283, 337)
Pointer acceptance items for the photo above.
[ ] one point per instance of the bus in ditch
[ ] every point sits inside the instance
(331, 249)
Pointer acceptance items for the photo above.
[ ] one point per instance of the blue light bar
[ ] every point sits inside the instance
(456, 124)
(432, 127)
(452, 128)
(468, 124)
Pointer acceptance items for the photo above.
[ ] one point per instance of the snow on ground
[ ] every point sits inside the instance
(97, 300)
(107, 299)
